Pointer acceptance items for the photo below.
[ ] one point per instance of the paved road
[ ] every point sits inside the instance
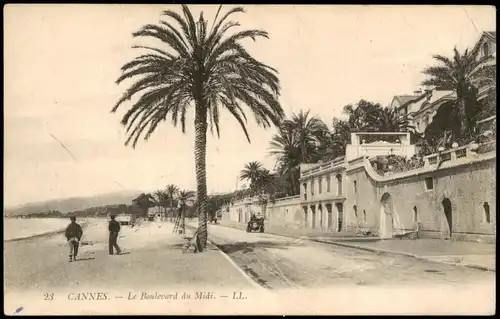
(282, 262)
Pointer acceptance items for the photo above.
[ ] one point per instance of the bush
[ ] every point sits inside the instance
(397, 164)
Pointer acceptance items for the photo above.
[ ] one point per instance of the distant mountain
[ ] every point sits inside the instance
(74, 203)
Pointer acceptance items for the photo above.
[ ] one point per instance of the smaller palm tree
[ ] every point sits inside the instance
(252, 172)
(341, 135)
(388, 120)
(464, 73)
(185, 197)
(286, 149)
(171, 191)
(307, 130)
(144, 202)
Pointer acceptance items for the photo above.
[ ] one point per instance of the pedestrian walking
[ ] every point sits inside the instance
(73, 235)
(114, 230)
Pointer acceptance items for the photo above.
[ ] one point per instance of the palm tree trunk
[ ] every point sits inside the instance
(200, 150)
(462, 114)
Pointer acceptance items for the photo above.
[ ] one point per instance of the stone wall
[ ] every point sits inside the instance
(286, 212)
(460, 194)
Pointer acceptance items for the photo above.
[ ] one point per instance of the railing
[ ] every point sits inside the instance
(374, 149)
(284, 199)
(323, 166)
(450, 155)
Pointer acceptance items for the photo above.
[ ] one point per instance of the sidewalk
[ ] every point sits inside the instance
(461, 253)
(468, 254)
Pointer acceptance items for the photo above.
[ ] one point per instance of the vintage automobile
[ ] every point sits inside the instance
(256, 223)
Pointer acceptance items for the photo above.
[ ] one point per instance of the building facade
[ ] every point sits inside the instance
(452, 196)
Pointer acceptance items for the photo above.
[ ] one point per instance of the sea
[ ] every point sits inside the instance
(15, 228)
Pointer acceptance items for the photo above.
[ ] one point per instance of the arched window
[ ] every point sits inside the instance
(355, 210)
(487, 216)
(415, 214)
(339, 184)
(364, 216)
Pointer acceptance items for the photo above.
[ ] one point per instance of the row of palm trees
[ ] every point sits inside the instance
(167, 199)
(202, 69)
(307, 139)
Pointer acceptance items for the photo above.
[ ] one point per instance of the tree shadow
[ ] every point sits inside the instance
(123, 253)
(246, 247)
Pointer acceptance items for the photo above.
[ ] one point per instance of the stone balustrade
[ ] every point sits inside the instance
(450, 155)
(322, 167)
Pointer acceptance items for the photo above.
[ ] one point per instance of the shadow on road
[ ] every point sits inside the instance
(179, 247)
(82, 259)
(246, 247)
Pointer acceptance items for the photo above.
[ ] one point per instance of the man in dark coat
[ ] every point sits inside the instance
(73, 235)
(114, 229)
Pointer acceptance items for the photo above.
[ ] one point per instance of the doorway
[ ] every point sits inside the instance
(448, 214)
(340, 211)
(313, 216)
(330, 216)
(320, 211)
(386, 227)
(305, 217)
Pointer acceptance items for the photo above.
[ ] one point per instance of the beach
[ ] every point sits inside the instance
(16, 228)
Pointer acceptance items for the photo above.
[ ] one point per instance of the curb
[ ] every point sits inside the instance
(241, 271)
(378, 250)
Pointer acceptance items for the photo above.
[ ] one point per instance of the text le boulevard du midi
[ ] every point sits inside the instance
(91, 296)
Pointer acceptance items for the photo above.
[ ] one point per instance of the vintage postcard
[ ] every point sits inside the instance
(249, 159)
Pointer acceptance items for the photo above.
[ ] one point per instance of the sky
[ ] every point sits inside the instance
(61, 63)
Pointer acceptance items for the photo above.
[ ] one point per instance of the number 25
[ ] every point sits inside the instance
(48, 296)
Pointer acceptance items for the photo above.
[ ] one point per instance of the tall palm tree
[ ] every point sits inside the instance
(171, 191)
(463, 74)
(200, 69)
